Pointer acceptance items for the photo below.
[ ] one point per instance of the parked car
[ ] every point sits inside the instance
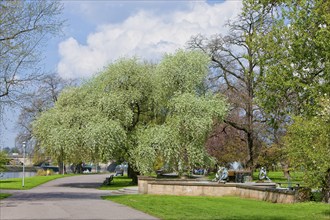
(87, 168)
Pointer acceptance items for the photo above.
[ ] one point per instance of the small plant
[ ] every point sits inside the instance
(47, 172)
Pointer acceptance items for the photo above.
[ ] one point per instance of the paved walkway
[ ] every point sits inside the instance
(66, 198)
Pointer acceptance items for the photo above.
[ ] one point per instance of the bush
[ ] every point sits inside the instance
(42, 172)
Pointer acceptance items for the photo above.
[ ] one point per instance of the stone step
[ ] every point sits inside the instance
(125, 191)
(128, 190)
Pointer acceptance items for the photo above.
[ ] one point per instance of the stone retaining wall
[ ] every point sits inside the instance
(260, 191)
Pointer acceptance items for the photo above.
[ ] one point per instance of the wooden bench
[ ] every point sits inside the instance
(108, 180)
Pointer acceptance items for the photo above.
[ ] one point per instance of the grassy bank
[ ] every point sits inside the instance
(29, 182)
(184, 207)
(9, 168)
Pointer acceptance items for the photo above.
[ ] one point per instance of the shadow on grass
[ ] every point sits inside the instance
(7, 181)
(327, 212)
(118, 183)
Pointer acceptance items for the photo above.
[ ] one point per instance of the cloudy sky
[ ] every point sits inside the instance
(99, 32)
(102, 31)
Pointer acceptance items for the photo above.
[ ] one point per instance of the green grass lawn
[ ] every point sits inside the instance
(4, 195)
(118, 182)
(29, 182)
(200, 207)
(278, 177)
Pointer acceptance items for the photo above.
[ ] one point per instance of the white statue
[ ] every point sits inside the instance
(263, 174)
(221, 175)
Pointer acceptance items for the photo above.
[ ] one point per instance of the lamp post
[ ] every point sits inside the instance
(24, 145)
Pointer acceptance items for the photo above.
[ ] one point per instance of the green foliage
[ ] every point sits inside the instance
(74, 126)
(42, 172)
(138, 112)
(308, 146)
(297, 58)
(202, 207)
(297, 73)
(186, 115)
(182, 72)
(3, 160)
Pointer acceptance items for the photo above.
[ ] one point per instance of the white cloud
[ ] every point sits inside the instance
(145, 34)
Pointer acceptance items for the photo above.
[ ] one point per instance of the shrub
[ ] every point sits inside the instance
(42, 172)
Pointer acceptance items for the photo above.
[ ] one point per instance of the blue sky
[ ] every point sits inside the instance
(99, 32)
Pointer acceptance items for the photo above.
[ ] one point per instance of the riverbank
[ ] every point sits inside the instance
(29, 182)
(10, 175)
(20, 168)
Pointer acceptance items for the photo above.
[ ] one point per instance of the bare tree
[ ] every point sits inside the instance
(237, 68)
(42, 99)
(227, 144)
(24, 27)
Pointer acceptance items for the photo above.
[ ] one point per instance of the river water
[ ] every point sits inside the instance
(7, 175)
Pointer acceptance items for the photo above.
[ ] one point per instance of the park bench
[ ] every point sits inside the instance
(108, 180)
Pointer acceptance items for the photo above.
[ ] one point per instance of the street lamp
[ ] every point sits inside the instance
(24, 145)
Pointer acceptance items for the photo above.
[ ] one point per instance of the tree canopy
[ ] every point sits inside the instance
(308, 146)
(273, 67)
(136, 111)
(298, 58)
(296, 85)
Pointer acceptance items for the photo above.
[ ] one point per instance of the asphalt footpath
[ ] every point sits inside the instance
(69, 198)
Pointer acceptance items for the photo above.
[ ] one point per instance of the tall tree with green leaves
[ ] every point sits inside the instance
(298, 59)
(308, 146)
(297, 74)
(137, 112)
(186, 113)
(75, 131)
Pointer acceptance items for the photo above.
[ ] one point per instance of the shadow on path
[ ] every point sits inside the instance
(81, 185)
(53, 196)
(71, 198)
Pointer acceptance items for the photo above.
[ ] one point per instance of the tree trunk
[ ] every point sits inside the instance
(326, 188)
(60, 165)
(60, 161)
(250, 162)
(286, 171)
(132, 174)
(249, 114)
(78, 168)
